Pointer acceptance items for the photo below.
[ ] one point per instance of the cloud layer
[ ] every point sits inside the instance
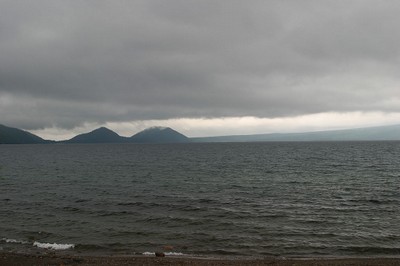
(67, 63)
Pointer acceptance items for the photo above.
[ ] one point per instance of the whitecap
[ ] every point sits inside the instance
(9, 240)
(149, 253)
(165, 253)
(174, 254)
(53, 246)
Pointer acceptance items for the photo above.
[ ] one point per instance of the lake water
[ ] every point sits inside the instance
(237, 199)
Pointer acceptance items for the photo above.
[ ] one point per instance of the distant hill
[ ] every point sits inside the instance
(100, 135)
(9, 135)
(158, 135)
(359, 134)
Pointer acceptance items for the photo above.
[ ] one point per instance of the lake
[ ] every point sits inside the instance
(293, 199)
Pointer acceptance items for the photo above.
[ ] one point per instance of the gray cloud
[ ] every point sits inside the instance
(65, 63)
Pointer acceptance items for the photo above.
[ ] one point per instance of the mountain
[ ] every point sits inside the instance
(158, 135)
(9, 135)
(100, 135)
(359, 134)
(150, 135)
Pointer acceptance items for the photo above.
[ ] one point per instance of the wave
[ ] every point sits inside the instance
(147, 253)
(174, 254)
(53, 246)
(8, 240)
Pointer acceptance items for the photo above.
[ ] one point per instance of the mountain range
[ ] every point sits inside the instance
(149, 135)
(9, 135)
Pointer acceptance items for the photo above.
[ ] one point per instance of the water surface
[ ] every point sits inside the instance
(242, 199)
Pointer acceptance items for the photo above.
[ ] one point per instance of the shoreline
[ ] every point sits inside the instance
(12, 259)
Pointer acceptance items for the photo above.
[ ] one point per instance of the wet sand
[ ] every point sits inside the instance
(12, 259)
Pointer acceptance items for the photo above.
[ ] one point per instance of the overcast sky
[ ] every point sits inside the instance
(202, 67)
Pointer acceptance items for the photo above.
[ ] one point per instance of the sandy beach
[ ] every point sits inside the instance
(12, 259)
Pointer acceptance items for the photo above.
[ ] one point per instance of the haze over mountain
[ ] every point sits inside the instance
(359, 134)
(10, 135)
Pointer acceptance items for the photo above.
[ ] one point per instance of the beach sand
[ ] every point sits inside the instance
(13, 259)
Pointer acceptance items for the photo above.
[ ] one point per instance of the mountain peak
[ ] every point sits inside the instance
(99, 135)
(103, 129)
(155, 128)
(159, 135)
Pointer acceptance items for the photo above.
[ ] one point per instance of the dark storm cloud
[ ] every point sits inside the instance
(68, 62)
